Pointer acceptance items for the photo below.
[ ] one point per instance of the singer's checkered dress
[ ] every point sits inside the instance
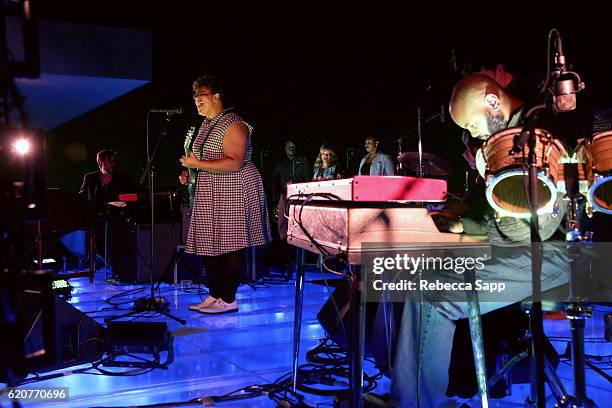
(229, 211)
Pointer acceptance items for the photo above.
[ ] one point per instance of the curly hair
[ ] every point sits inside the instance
(333, 157)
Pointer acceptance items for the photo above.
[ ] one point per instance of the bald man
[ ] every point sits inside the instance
(425, 339)
(481, 106)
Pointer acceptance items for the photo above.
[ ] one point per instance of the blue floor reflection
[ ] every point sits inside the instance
(217, 354)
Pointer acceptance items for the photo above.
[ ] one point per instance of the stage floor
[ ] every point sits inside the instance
(217, 354)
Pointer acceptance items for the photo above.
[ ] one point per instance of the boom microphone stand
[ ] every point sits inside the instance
(152, 303)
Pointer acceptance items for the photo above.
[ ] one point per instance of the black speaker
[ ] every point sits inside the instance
(132, 251)
(125, 338)
(56, 334)
(138, 337)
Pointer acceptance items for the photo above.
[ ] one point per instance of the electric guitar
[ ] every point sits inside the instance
(192, 172)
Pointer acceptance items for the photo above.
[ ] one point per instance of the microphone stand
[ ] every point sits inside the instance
(528, 138)
(400, 168)
(151, 304)
(419, 129)
(537, 326)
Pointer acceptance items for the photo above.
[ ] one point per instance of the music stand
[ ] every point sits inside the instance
(151, 303)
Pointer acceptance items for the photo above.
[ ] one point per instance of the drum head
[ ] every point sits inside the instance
(506, 190)
(507, 194)
(600, 195)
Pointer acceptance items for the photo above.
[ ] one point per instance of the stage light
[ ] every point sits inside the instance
(62, 289)
(22, 146)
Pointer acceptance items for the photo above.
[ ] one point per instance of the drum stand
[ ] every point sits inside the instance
(577, 311)
(528, 137)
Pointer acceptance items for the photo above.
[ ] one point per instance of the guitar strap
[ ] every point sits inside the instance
(210, 129)
(193, 172)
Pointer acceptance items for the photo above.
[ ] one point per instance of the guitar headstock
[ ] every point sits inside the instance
(189, 137)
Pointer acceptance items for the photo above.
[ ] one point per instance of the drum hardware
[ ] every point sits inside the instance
(417, 166)
(532, 139)
(594, 158)
(428, 165)
(420, 144)
(577, 309)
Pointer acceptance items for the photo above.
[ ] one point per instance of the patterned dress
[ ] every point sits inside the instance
(229, 211)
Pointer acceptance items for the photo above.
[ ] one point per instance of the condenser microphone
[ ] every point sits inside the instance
(564, 93)
(565, 84)
(169, 111)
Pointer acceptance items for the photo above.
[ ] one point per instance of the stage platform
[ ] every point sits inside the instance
(216, 354)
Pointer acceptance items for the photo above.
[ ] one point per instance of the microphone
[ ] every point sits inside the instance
(564, 93)
(169, 111)
(565, 84)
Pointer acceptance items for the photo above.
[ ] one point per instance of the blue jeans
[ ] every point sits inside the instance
(419, 376)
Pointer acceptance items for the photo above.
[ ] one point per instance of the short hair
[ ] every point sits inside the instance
(105, 155)
(209, 81)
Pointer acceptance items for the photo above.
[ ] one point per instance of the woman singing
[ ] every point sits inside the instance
(229, 210)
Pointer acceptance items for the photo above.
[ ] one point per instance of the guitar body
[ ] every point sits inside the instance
(192, 172)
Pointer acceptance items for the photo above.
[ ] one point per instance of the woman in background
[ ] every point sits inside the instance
(326, 166)
(375, 163)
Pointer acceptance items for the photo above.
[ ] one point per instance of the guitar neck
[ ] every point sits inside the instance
(188, 140)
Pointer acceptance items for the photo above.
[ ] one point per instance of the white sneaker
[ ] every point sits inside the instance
(219, 306)
(205, 303)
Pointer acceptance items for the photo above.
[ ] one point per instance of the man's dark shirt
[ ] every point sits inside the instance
(291, 171)
(99, 195)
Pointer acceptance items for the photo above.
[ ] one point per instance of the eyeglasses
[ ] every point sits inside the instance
(196, 95)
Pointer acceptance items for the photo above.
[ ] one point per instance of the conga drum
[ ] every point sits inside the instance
(505, 172)
(594, 157)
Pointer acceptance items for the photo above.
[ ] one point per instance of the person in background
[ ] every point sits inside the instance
(229, 210)
(100, 188)
(104, 185)
(375, 163)
(326, 165)
(291, 169)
